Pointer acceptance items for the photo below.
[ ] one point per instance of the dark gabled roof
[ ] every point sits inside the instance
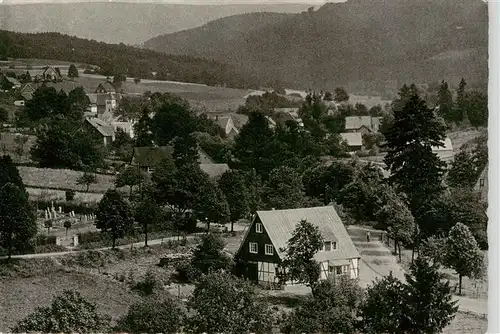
(104, 128)
(280, 224)
(204, 158)
(107, 86)
(150, 156)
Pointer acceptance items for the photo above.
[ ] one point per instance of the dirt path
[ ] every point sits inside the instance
(377, 261)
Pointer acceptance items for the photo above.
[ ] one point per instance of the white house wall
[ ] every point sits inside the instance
(354, 268)
(267, 272)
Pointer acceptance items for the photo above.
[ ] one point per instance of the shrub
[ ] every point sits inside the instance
(70, 195)
(91, 237)
(147, 286)
(42, 240)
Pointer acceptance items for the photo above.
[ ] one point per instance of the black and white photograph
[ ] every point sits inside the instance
(247, 166)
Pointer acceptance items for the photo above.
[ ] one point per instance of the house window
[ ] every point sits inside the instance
(481, 183)
(328, 246)
(253, 247)
(258, 228)
(334, 244)
(338, 270)
(269, 250)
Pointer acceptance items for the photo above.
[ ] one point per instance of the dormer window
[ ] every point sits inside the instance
(328, 246)
(258, 228)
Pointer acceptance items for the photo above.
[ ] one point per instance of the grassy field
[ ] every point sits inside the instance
(62, 179)
(212, 98)
(105, 279)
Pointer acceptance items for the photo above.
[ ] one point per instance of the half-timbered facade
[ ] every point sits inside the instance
(261, 251)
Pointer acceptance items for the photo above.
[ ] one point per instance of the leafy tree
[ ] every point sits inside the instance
(9, 173)
(45, 104)
(384, 306)
(153, 316)
(147, 213)
(4, 115)
(17, 217)
(114, 215)
(172, 118)
(233, 186)
(463, 254)
(460, 110)
(361, 109)
(253, 146)
(209, 255)
(143, 130)
(328, 96)
(78, 102)
(222, 303)
(67, 226)
(20, 141)
(476, 106)
(445, 102)
(463, 172)
(387, 122)
(87, 179)
(254, 185)
(137, 80)
(211, 204)
(430, 305)
(131, 177)
(68, 313)
(181, 188)
(434, 249)
(299, 263)
(66, 145)
(341, 95)
(185, 150)
(70, 195)
(415, 169)
(376, 111)
(332, 309)
(73, 71)
(123, 145)
(284, 189)
(119, 78)
(399, 221)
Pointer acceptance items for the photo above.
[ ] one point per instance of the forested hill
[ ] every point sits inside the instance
(117, 22)
(120, 58)
(379, 43)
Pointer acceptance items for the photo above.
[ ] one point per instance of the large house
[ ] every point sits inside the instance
(100, 129)
(362, 124)
(27, 92)
(261, 251)
(103, 103)
(147, 158)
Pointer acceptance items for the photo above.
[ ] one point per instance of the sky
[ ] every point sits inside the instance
(191, 2)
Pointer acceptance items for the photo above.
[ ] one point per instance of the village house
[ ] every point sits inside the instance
(51, 74)
(100, 129)
(127, 127)
(261, 251)
(354, 140)
(147, 158)
(27, 92)
(445, 152)
(15, 83)
(227, 125)
(105, 87)
(103, 103)
(362, 124)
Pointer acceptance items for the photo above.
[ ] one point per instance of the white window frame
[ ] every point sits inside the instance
(269, 247)
(250, 244)
(258, 228)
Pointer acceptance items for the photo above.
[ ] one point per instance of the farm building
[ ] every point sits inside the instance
(362, 124)
(27, 92)
(51, 74)
(354, 140)
(261, 251)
